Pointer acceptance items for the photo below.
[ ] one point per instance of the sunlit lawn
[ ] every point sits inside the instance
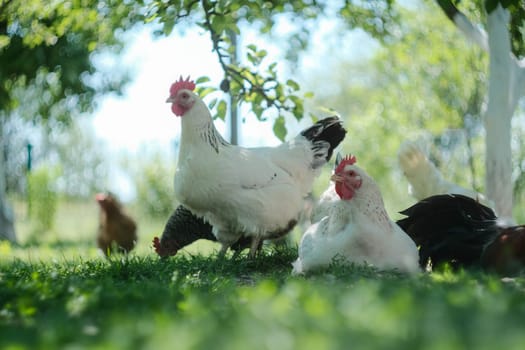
(66, 296)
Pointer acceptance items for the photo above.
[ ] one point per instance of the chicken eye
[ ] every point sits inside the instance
(185, 95)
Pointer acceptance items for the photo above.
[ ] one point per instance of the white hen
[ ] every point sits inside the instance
(425, 179)
(256, 192)
(357, 228)
(327, 198)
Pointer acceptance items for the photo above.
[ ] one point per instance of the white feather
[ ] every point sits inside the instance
(357, 231)
(250, 191)
(324, 204)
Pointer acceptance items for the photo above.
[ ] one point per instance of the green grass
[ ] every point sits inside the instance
(63, 295)
(205, 302)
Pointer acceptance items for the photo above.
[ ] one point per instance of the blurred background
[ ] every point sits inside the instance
(84, 84)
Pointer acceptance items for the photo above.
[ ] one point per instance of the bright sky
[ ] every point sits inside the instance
(141, 117)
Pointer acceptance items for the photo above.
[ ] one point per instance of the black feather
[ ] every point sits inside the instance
(184, 227)
(450, 228)
(327, 132)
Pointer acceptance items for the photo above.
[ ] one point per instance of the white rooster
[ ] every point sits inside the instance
(357, 228)
(256, 192)
(425, 179)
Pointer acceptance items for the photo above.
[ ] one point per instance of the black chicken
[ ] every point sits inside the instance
(184, 228)
(458, 230)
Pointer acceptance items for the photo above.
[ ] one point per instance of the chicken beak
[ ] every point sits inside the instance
(170, 100)
(336, 178)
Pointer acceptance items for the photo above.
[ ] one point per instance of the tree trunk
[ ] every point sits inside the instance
(506, 85)
(498, 115)
(7, 229)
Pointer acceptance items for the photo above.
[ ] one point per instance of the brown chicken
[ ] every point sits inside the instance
(117, 231)
(506, 254)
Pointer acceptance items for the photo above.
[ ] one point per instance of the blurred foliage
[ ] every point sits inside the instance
(81, 158)
(76, 151)
(411, 88)
(51, 43)
(260, 86)
(47, 50)
(75, 230)
(153, 179)
(46, 67)
(517, 25)
(42, 198)
(57, 40)
(479, 8)
(254, 81)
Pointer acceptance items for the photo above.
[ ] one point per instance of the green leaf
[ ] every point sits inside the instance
(218, 23)
(279, 93)
(212, 103)
(168, 26)
(92, 46)
(4, 41)
(298, 109)
(234, 28)
(308, 94)
(201, 80)
(251, 58)
(293, 84)
(258, 110)
(205, 91)
(279, 128)
(221, 110)
(261, 54)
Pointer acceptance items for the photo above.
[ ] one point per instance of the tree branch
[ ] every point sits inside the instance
(480, 38)
(449, 8)
(188, 10)
(238, 74)
(472, 32)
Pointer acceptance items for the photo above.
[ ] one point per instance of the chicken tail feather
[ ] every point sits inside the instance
(325, 136)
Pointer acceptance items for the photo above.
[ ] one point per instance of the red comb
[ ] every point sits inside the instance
(156, 245)
(169, 248)
(348, 160)
(182, 84)
(99, 197)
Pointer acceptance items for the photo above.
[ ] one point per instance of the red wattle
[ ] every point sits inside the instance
(177, 110)
(343, 191)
